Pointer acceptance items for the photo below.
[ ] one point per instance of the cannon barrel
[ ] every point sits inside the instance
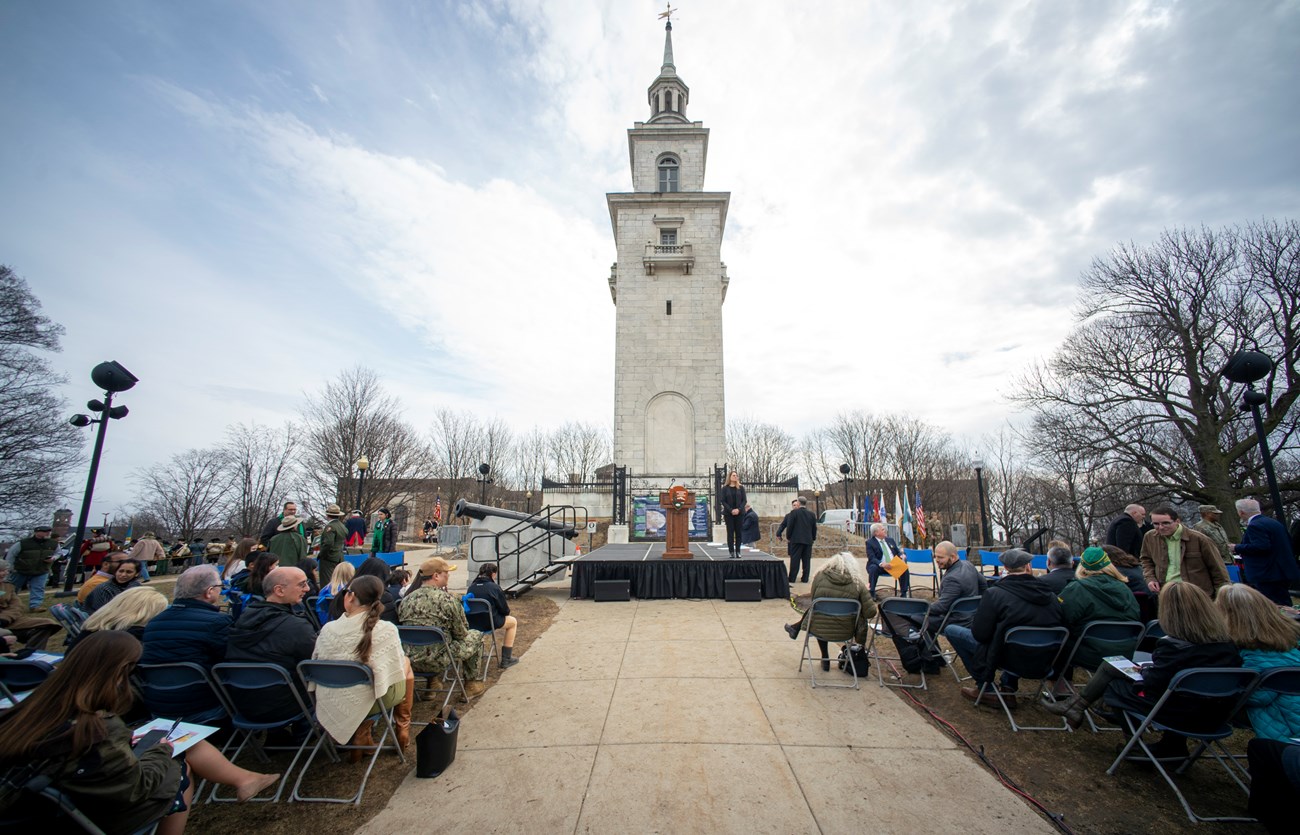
(482, 511)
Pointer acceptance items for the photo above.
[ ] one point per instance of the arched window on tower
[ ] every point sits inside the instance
(668, 174)
(656, 101)
(668, 99)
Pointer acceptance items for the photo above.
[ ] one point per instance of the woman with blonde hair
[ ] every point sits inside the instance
(1266, 639)
(128, 612)
(238, 560)
(329, 603)
(359, 635)
(733, 500)
(841, 576)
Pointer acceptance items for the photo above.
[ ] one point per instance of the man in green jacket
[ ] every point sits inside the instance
(333, 541)
(31, 558)
(287, 544)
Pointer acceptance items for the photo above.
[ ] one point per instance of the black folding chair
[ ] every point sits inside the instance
(964, 608)
(480, 617)
(453, 675)
(21, 676)
(1029, 652)
(834, 607)
(157, 680)
(902, 618)
(1122, 635)
(1210, 694)
(51, 805)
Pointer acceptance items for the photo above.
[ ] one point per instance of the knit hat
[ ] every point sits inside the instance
(433, 565)
(1094, 559)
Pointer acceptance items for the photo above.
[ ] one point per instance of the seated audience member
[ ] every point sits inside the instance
(238, 561)
(376, 567)
(70, 729)
(125, 576)
(1018, 599)
(271, 631)
(397, 583)
(485, 587)
(1060, 569)
(102, 575)
(128, 612)
(34, 631)
(360, 635)
(1266, 639)
(429, 603)
(329, 603)
(191, 629)
(309, 567)
(1274, 783)
(1098, 593)
(960, 579)
(1195, 636)
(840, 577)
(262, 564)
(1128, 565)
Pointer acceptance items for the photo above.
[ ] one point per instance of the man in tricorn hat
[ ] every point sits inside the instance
(333, 541)
(1209, 525)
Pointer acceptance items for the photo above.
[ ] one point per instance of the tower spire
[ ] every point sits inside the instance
(668, 94)
(669, 66)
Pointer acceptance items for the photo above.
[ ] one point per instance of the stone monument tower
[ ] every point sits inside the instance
(668, 286)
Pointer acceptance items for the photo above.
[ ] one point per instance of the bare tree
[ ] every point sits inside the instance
(186, 493)
(353, 416)
(38, 449)
(1138, 379)
(260, 470)
(1011, 502)
(528, 455)
(761, 451)
(577, 449)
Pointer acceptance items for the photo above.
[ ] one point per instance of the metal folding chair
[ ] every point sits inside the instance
(920, 563)
(70, 617)
(480, 618)
(424, 636)
(242, 685)
(344, 674)
(21, 677)
(1123, 635)
(156, 680)
(1213, 695)
(835, 607)
(1147, 643)
(911, 611)
(58, 806)
(1029, 652)
(963, 607)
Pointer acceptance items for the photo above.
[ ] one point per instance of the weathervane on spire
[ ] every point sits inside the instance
(668, 15)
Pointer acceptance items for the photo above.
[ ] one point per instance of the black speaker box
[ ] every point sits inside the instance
(609, 591)
(744, 591)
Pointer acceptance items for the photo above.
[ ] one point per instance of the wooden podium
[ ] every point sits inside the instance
(676, 503)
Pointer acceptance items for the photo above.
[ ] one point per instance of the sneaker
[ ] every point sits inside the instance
(35, 609)
(792, 631)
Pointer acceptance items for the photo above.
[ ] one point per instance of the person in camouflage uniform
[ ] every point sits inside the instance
(333, 541)
(1209, 525)
(431, 604)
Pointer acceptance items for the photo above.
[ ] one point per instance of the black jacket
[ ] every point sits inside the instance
(731, 498)
(801, 525)
(1125, 534)
(1015, 600)
(105, 592)
(485, 589)
(1170, 657)
(749, 528)
(1058, 578)
(272, 633)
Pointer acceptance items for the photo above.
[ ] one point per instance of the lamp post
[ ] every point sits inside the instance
(484, 479)
(113, 379)
(363, 464)
(1248, 367)
(845, 469)
(528, 495)
(986, 535)
(817, 499)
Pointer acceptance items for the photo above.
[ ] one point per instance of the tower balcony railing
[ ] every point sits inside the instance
(671, 256)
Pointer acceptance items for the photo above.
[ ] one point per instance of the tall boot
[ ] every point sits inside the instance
(402, 715)
(506, 660)
(1072, 710)
(363, 736)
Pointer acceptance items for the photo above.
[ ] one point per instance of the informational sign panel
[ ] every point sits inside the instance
(649, 524)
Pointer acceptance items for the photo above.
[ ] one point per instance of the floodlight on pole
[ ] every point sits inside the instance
(1249, 367)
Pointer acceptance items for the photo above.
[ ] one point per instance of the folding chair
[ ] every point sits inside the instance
(835, 607)
(242, 685)
(894, 610)
(1122, 635)
(21, 676)
(180, 676)
(1147, 643)
(1029, 652)
(344, 674)
(480, 618)
(424, 636)
(70, 617)
(36, 785)
(962, 607)
(1211, 694)
(920, 562)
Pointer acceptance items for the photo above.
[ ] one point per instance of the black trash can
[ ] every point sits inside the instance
(435, 746)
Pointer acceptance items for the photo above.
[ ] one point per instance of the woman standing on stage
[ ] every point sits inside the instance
(732, 500)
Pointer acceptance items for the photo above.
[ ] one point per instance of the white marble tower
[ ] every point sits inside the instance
(668, 286)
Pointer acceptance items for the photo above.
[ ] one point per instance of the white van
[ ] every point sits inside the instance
(846, 519)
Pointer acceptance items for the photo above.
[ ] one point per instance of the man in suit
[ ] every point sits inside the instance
(878, 544)
(1060, 569)
(802, 527)
(1126, 531)
(1265, 550)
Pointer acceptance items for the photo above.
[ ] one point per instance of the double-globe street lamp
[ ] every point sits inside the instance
(845, 469)
(1249, 367)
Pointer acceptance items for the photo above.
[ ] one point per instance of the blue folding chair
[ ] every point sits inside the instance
(21, 676)
(920, 563)
(893, 612)
(342, 675)
(835, 607)
(244, 685)
(1029, 652)
(1212, 695)
(1120, 637)
(157, 680)
(426, 636)
(480, 617)
(71, 618)
(1147, 643)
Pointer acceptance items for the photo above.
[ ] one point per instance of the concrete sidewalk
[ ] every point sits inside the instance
(689, 716)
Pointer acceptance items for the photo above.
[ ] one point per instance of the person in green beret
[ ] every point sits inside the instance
(1100, 591)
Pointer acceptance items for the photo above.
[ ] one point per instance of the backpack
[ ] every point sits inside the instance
(861, 660)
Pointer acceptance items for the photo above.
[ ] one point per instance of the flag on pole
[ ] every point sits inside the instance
(898, 511)
(920, 516)
(437, 509)
(907, 517)
(875, 509)
(883, 512)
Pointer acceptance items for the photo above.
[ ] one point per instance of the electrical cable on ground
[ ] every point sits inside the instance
(1055, 817)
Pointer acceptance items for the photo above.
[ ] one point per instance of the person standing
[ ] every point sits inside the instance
(802, 527)
(333, 541)
(878, 545)
(148, 550)
(1126, 532)
(382, 539)
(272, 526)
(288, 543)
(1265, 550)
(31, 558)
(1209, 525)
(356, 525)
(1173, 553)
(732, 501)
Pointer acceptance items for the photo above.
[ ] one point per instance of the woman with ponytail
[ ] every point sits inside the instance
(360, 635)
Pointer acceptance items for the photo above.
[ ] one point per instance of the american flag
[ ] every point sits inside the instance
(920, 515)
(437, 509)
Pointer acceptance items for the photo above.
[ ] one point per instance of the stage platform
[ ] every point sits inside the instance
(653, 577)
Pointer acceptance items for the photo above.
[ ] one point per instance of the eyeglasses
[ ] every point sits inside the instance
(1164, 524)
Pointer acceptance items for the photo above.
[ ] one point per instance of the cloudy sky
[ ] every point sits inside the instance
(238, 199)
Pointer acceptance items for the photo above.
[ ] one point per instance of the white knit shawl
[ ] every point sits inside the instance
(341, 710)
